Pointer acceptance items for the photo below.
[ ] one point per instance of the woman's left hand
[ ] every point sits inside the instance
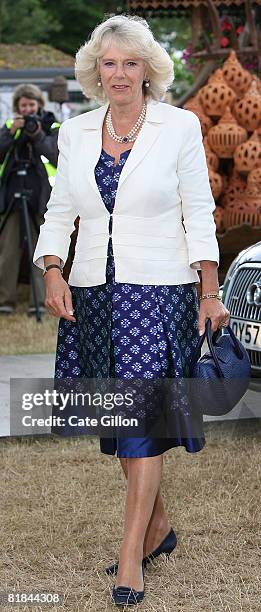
(212, 308)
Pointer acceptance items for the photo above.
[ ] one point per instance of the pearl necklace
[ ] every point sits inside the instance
(131, 136)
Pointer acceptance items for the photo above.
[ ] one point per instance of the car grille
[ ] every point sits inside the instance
(238, 306)
(255, 358)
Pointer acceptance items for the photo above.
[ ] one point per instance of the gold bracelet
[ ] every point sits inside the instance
(210, 295)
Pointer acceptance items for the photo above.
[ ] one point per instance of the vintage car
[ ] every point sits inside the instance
(241, 294)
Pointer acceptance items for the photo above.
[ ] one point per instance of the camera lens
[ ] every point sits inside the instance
(31, 123)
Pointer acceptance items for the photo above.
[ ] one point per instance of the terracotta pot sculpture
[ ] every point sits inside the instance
(247, 155)
(194, 105)
(216, 183)
(212, 158)
(229, 110)
(235, 75)
(216, 95)
(248, 109)
(235, 187)
(226, 135)
(254, 178)
(255, 78)
(219, 219)
(244, 211)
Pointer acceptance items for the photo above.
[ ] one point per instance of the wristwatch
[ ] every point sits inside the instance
(52, 266)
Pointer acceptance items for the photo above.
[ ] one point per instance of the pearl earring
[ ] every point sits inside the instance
(147, 84)
(99, 83)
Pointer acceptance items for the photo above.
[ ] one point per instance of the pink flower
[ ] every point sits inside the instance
(240, 29)
(226, 26)
(186, 55)
(224, 41)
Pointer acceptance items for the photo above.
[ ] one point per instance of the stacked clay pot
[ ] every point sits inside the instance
(211, 157)
(229, 110)
(235, 75)
(194, 105)
(246, 208)
(224, 137)
(216, 95)
(216, 183)
(248, 109)
(219, 216)
(235, 187)
(247, 155)
(254, 177)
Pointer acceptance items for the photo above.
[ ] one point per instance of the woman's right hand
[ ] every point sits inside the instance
(58, 297)
(18, 122)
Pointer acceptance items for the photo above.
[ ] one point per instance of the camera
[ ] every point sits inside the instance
(45, 118)
(31, 123)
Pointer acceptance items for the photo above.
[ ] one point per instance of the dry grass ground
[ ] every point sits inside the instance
(21, 334)
(62, 507)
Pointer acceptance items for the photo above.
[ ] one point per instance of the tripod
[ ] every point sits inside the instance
(23, 196)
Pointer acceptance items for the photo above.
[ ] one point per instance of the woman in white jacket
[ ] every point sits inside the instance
(135, 172)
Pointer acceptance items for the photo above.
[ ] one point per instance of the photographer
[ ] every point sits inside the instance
(31, 134)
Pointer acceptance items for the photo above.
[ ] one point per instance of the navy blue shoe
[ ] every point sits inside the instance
(167, 546)
(127, 596)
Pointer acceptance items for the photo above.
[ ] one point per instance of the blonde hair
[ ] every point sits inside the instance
(130, 33)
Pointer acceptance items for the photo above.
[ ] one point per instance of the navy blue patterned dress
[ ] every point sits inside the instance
(127, 330)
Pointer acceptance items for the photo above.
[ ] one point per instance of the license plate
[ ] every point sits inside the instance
(248, 333)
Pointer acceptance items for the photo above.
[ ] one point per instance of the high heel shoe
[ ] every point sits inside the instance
(167, 546)
(127, 596)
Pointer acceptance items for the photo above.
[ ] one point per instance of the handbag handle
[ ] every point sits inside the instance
(211, 345)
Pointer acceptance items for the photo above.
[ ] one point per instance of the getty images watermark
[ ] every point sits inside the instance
(155, 408)
(103, 407)
(75, 406)
(73, 399)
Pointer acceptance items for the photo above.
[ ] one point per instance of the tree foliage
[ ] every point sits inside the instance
(66, 25)
(78, 18)
(26, 21)
(173, 33)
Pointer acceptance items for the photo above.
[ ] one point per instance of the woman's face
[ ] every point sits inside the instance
(26, 106)
(122, 75)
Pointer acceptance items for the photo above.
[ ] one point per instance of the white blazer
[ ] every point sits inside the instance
(162, 223)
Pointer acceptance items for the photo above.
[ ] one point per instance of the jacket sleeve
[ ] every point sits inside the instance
(54, 237)
(47, 145)
(6, 141)
(197, 200)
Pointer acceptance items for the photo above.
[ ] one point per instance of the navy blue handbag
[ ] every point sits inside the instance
(218, 379)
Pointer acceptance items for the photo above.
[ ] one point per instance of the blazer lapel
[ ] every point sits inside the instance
(93, 142)
(148, 135)
(92, 145)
